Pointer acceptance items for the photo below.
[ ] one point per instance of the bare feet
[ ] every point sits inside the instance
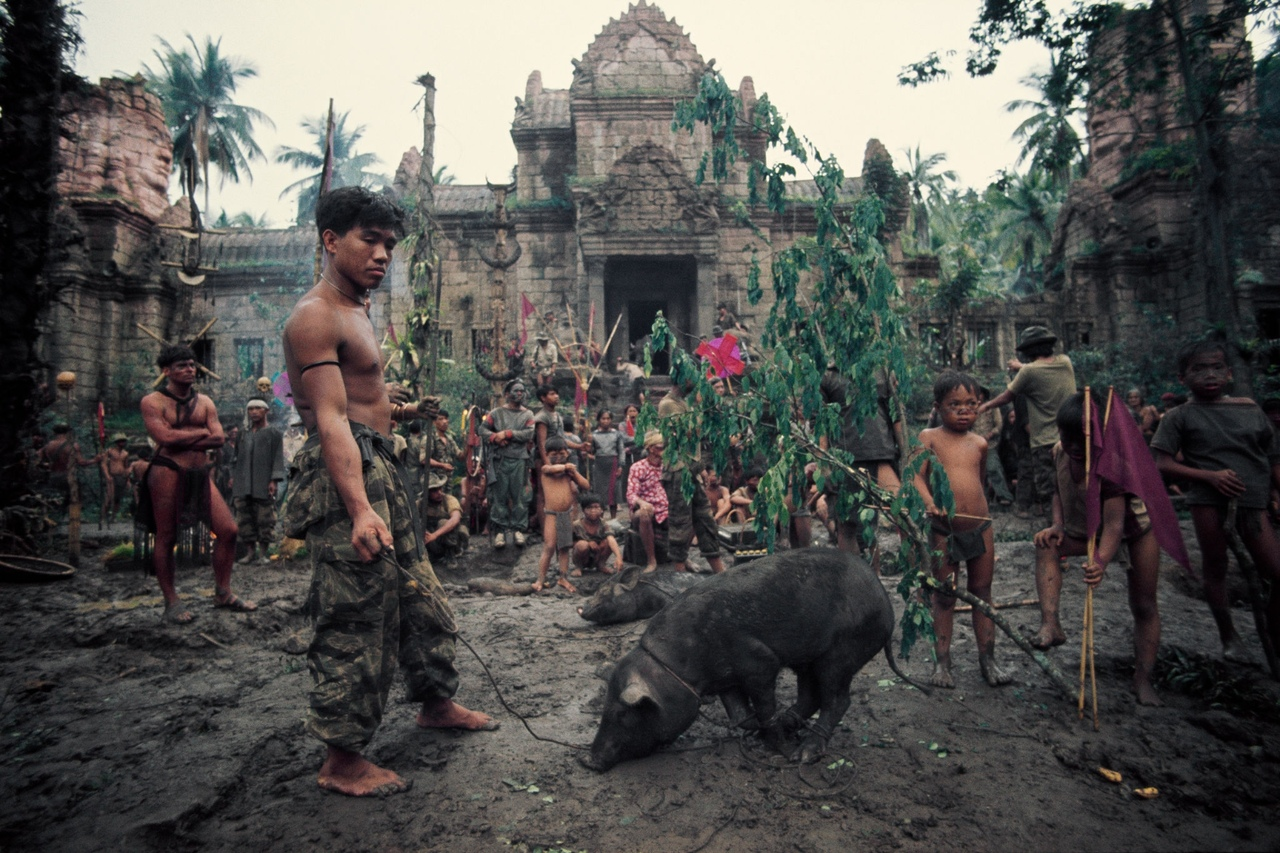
(608, 571)
(538, 585)
(177, 613)
(942, 674)
(352, 774)
(1236, 651)
(563, 583)
(1048, 637)
(576, 573)
(447, 714)
(651, 567)
(994, 675)
(1146, 694)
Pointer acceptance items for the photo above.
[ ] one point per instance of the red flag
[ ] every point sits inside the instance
(391, 333)
(102, 425)
(723, 356)
(1121, 456)
(526, 308)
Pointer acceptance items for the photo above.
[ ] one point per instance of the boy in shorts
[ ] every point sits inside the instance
(966, 537)
(1124, 519)
(1229, 453)
(557, 478)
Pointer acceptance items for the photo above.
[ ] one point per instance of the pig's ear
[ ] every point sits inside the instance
(636, 691)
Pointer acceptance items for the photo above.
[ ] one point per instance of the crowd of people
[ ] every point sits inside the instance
(375, 506)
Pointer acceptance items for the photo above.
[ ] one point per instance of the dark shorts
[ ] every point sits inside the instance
(564, 528)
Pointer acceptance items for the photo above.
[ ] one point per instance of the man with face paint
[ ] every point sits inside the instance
(508, 430)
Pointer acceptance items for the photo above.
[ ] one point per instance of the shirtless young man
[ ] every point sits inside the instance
(184, 424)
(965, 537)
(377, 597)
(115, 465)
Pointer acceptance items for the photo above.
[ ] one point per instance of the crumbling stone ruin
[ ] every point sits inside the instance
(605, 211)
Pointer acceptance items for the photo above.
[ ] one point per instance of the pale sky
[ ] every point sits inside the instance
(830, 66)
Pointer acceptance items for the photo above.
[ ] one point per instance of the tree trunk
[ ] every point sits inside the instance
(34, 38)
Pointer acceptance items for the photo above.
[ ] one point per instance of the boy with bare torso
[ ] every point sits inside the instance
(964, 537)
(177, 486)
(557, 478)
(375, 595)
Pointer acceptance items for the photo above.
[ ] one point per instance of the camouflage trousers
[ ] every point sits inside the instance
(255, 521)
(509, 495)
(368, 616)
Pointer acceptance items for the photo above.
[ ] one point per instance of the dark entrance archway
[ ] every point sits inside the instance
(638, 288)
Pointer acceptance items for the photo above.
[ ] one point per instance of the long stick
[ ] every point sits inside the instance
(1086, 638)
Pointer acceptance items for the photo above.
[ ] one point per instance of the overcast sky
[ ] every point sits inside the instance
(830, 66)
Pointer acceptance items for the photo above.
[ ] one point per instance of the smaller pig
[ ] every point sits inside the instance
(635, 594)
(817, 611)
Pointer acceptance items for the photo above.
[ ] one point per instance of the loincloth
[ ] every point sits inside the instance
(962, 545)
(564, 528)
(192, 503)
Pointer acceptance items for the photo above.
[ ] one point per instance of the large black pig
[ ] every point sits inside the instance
(819, 612)
(634, 594)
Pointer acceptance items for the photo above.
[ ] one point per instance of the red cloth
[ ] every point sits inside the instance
(644, 482)
(1121, 455)
(526, 308)
(723, 355)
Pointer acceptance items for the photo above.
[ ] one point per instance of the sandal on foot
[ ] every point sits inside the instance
(235, 603)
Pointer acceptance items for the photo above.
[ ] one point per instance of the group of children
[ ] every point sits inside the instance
(1223, 446)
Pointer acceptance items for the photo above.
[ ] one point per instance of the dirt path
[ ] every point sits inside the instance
(122, 732)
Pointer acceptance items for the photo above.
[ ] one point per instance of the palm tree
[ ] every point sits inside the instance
(207, 125)
(1026, 208)
(1050, 140)
(349, 168)
(927, 188)
(443, 177)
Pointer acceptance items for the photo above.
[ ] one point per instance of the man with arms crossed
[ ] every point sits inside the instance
(176, 490)
(375, 595)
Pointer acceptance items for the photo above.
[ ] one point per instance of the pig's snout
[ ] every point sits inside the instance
(591, 761)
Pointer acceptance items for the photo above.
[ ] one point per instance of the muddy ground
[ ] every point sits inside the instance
(121, 732)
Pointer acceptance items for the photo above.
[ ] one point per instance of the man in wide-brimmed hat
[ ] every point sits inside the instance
(1044, 380)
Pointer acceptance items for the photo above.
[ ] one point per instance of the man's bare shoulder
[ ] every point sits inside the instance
(310, 312)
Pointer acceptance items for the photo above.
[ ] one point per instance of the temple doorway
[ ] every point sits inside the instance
(638, 288)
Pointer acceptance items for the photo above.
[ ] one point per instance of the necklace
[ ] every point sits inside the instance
(363, 303)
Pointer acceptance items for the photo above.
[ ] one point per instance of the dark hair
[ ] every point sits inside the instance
(61, 429)
(442, 413)
(1038, 350)
(506, 389)
(1071, 419)
(949, 381)
(144, 452)
(567, 420)
(600, 414)
(555, 442)
(345, 208)
(586, 499)
(1189, 352)
(755, 472)
(174, 352)
(544, 390)
(415, 426)
(1271, 405)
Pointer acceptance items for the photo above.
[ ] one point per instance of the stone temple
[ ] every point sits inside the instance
(605, 211)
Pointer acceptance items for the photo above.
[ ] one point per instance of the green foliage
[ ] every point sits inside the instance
(1177, 159)
(1145, 357)
(197, 89)
(1197, 675)
(834, 307)
(1050, 136)
(349, 168)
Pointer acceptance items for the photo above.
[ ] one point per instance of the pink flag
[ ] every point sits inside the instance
(1121, 456)
(526, 308)
(391, 333)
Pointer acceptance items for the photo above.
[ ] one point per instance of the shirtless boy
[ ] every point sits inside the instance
(593, 544)
(557, 477)
(115, 464)
(1124, 519)
(184, 425)
(375, 594)
(1229, 453)
(717, 494)
(966, 537)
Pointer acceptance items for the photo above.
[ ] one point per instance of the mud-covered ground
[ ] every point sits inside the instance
(121, 732)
